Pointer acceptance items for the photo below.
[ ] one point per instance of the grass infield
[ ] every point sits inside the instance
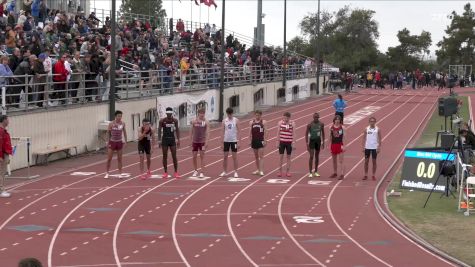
(439, 223)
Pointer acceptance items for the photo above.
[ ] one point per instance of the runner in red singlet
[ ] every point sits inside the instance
(337, 134)
(115, 141)
(199, 137)
(258, 137)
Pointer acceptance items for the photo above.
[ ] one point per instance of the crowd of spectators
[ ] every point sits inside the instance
(67, 48)
(398, 79)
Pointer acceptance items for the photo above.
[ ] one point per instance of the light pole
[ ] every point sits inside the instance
(284, 60)
(223, 50)
(112, 64)
(317, 41)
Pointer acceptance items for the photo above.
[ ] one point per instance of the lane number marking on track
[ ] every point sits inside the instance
(278, 181)
(236, 180)
(308, 219)
(82, 173)
(193, 178)
(319, 183)
(123, 175)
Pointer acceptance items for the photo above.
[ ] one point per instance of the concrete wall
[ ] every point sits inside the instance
(79, 125)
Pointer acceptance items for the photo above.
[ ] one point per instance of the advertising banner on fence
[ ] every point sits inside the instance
(186, 105)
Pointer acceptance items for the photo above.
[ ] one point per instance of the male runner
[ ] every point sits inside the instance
(286, 138)
(258, 137)
(145, 144)
(315, 130)
(230, 141)
(371, 146)
(169, 134)
(199, 137)
(115, 142)
(336, 148)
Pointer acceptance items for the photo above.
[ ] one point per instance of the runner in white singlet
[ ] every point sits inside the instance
(371, 146)
(230, 141)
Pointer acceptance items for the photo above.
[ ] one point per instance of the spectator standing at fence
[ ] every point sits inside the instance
(39, 80)
(180, 26)
(25, 68)
(5, 152)
(5, 71)
(184, 67)
(60, 77)
(339, 104)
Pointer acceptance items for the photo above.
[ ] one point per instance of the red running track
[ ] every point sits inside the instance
(67, 220)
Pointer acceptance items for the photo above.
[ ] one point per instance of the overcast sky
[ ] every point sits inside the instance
(392, 16)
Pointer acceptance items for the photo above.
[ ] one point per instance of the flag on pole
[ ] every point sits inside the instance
(210, 2)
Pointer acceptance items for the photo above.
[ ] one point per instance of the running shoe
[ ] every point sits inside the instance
(256, 172)
(310, 175)
(261, 173)
(149, 174)
(195, 174)
(334, 175)
(202, 175)
(316, 174)
(165, 176)
(143, 176)
(365, 177)
(288, 174)
(176, 175)
(222, 174)
(341, 177)
(374, 178)
(5, 194)
(279, 174)
(106, 176)
(236, 175)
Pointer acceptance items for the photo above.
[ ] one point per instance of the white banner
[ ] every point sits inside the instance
(190, 103)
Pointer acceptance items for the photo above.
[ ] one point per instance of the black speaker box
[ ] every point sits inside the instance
(447, 106)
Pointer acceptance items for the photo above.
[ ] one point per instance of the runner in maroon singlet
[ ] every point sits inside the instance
(199, 137)
(115, 141)
(258, 137)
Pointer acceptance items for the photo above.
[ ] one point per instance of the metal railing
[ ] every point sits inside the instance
(27, 92)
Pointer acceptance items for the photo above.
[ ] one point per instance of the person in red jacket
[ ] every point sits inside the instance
(5, 152)
(60, 76)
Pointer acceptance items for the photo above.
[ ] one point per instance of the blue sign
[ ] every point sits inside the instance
(428, 155)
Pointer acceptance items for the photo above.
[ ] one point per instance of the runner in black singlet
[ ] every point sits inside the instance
(145, 144)
(169, 134)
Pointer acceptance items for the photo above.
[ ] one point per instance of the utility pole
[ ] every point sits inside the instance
(317, 56)
(223, 51)
(113, 62)
(284, 61)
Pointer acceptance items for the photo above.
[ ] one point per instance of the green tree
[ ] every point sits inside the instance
(410, 53)
(298, 45)
(458, 47)
(347, 38)
(151, 8)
